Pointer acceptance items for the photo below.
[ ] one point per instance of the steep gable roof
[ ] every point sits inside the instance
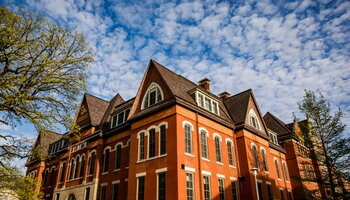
(115, 101)
(276, 125)
(237, 106)
(41, 145)
(96, 108)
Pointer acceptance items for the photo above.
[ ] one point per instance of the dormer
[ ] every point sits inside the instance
(153, 95)
(120, 117)
(207, 102)
(253, 120)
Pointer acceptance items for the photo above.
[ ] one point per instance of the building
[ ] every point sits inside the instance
(174, 140)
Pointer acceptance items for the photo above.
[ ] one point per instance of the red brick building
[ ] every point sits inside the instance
(174, 140)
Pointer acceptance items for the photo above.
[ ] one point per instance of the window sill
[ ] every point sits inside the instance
(126, 167)
(220, 163)
(266, 172)
(232, 166)
(189, 154)
(116, 170)
(148, 159)
(104, 173)
(89, 175)
(206, 159)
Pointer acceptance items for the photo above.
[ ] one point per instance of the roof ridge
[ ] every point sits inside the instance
(279, 121)
(248, 90)
(99, 97)
(160, 65)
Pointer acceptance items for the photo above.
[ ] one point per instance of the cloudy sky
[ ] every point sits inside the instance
(277, 48)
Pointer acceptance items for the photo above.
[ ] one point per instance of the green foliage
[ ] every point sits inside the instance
(22, 187)
(43, 68)
(329, 142)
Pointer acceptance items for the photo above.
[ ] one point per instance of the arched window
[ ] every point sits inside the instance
(77, 166)
(230, 153)
(52, 178)
(141, 138)
(204, 144)
(82, 166)
(92, 162)
(263, 154)
(45, 174)
(153, 95)
(71, 169)
(277, 169)
(255, 155)
(71, 197)
(188, 139)
(63, 170)
(151, 143)
(253, 119)
(217, 139)
(118, 153)
(284, 167)
(105, 160)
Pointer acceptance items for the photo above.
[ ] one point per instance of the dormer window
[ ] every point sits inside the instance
(253, 120)
(120, 118)
(273, 137)
(152, 96)
(207, 102)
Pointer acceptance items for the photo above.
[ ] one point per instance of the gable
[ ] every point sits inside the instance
(152, 75)
(252, 108)
(83, 117)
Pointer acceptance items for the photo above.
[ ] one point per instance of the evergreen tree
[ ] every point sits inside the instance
(329, 142)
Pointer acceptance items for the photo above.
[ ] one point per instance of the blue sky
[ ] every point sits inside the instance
(277, 48)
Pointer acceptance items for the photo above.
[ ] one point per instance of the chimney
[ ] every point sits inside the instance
(224, 95)
(204, 83)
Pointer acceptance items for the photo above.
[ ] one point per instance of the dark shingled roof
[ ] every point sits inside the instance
(179, 87)
(41, 146)
(237, 106)
(97, 108)
(115, 101)
(276, 125)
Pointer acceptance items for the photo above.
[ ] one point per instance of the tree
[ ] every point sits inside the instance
(330, 144)
(43, 68)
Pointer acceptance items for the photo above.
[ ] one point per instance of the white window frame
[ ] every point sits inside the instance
(204, 131)
(284, 169)
(193, 184)
(201, 103)
(139, 144)
(252, 114)
(216, 135)
(264, 158)
(184, 124)
(153, 86)
(228, 140)
(257, 155)
(277, 168)
(165, 124)
(115, 117)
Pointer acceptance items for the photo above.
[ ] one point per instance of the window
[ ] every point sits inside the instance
(218, 149)
(77, 166)
(118, 153)
(162, 139)
(221, 189)
(63, 171)
(141, 188)
(189, 186)
(82, 166)
(282, 194)
(161, 186)
(207, 103)
(58, 196)
(142, 146)
(115, 191)
(71, 171)
(153, 95)
(290, 195)
(234, 190)
(87, 193)
(120, 118)
(269, 191)
(255, 156)
(253, 120)
(92, 162)
(260, 191)
(204, 143)
(103, 192)
(105, 160)
(151, 143)
(188, 139)
(277, 169)
(206, 181)
(263, 154)
(52, 175)
(230, 153)
(284, 168)
(273, 137)
(71, 197)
